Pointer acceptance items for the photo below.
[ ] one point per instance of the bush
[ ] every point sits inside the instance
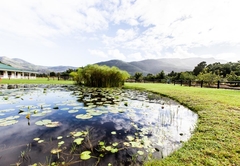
(100, 76)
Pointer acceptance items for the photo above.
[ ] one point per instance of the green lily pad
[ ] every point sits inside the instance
(8, 123)
(61, 143)
(36, 139)
(47, 123)
(85, 155)
(77, 134)
(114, 150)
(84, 116)
(136, 145)
(40, 141)
(55, 151)
(72, 111)
(108, 148)
(140, 152)
(130, 138)
(113, 132)
(101, 143)
(78, 141)
(115, 144)
(64, 109)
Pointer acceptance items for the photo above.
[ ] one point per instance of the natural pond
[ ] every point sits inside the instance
(70, 125)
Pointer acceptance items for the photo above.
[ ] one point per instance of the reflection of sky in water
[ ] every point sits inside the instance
(166, 127)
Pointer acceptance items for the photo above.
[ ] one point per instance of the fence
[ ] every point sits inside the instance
(193, 83)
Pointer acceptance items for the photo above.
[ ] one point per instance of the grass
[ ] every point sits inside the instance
(216, 139)
(35, 81)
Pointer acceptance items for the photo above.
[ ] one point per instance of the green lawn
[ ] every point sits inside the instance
(216, 140)
(35, 81)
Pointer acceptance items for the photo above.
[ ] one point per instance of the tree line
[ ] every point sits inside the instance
(210, 73)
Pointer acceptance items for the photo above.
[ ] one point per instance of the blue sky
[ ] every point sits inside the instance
(81, 32)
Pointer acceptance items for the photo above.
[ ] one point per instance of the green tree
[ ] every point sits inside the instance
(149, 77)
(199, 68)
(138, 76)
(232, 77)
(187, 76)
(160, 75)
(210, 78)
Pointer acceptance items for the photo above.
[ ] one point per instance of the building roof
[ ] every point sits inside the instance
(5, 67)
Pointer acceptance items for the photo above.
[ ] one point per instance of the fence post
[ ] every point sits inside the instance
(174, 82)
(189, 83)
(201, 83)
(218, 85)
(181, 82)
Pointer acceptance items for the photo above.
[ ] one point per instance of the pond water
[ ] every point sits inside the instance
(69, 125)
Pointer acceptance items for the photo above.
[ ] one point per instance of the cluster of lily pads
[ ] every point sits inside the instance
(146, 120)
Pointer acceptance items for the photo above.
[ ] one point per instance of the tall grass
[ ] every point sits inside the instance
(216, 140)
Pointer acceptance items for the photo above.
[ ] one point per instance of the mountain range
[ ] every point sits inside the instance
(152, 66)
(155, 66)
(22, 64)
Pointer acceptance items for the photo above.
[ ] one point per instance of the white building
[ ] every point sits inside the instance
(10, 72)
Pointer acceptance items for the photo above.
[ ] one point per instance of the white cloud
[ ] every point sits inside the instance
(136, 56)
(116, 54)
(98, 53)
(180, 52)
(148, 29)
(228, 56)
(50, 18)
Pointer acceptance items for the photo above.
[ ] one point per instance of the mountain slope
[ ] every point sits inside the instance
(22, 64)
(155, 66)
(152, 66)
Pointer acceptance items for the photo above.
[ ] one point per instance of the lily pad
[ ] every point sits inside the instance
(36, 139)
(61, 143)
(115, 144)
(40, 141)
(114, 150)
(84, 116)
(140, 152)
(85, 155)
(113, 132)
(55, 151)
(47, 123)
(108, 148)
(101, 143)
(130, 138)
(72, 111)
(78, 141)
(64, 109)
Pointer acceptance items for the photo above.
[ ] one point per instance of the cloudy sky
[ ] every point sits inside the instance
(81, 32)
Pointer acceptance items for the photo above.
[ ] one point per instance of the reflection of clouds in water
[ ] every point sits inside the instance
(165, 127)
(120, 122)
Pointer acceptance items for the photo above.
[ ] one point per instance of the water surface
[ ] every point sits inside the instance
(84, 126)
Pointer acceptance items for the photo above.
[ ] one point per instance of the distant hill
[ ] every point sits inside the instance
(152, 66)
(22, 64)
(155, 66)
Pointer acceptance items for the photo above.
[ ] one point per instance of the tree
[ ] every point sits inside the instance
(138, 76)
(199, 68)
(210, 78)
(160, 75)
(232, 77)
(187, 76)
(149, 77)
